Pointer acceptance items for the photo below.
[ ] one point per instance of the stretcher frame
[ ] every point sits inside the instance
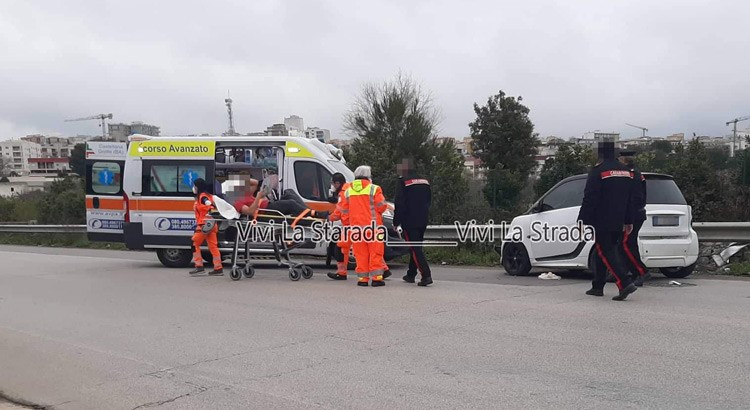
(241, 262)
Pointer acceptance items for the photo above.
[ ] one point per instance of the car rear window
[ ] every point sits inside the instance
(663, 191)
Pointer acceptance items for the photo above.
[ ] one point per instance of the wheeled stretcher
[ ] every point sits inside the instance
(275, 222)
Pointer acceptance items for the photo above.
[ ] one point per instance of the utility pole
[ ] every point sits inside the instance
(734, 133)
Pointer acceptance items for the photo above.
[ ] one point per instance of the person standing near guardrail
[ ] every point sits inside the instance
(363, 207)
(607, 206)
(413, 198)
(630, 241)
(205, 229)
(340, 250)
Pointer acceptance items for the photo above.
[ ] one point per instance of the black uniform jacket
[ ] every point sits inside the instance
(413, 197)
(608, 197)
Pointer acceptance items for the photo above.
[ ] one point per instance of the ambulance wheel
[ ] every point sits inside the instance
(235, 273)
(174, 258)
(295, 274)
(249, 271)
(307, 272)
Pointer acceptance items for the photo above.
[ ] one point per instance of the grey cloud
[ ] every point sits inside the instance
(581, 65)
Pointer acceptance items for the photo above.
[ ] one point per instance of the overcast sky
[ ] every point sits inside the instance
(671, 66)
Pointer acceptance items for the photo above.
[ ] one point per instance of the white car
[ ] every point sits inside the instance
(545, 236)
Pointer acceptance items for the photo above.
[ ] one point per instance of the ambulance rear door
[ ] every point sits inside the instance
(105, 204)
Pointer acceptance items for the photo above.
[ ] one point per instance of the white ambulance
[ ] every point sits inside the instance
(146, 201)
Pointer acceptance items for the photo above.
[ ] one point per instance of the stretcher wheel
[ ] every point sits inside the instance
(295, 274)
(249, 271)
(307, 272)
(235, 273)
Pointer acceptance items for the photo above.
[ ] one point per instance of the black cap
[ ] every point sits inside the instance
(627, 153)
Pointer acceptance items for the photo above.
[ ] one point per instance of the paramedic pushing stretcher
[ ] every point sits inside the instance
(413, 197)
(204, 203)
(608, 207)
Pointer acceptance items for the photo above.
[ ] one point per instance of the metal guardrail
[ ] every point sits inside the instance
(43, 228)
(707, 231)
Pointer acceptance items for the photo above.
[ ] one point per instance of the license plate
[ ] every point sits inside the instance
(666, 220)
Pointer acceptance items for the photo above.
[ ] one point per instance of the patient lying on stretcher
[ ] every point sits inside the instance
(289, 204)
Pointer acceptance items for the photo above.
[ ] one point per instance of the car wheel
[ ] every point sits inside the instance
(677, 273)
(174, 258)
(516, 259)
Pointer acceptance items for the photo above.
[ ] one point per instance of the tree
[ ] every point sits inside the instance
(63, 203)
(570, 160)
(78, 159)
(395, 120)
(503, 135)
(697, 179)
(503, 139)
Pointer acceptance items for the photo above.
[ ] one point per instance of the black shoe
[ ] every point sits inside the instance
(216, 272)
(427, 280)
(363, 284)
(408, 279)
(625, 292)
(377, 283)
(197, 271)
(387, 274)
(638, 281)
(336, 276)
(595, 292)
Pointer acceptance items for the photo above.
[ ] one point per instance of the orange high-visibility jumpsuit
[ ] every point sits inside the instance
(364, 203)
(202, 207)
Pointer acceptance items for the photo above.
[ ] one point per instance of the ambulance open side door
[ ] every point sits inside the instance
(105, 202)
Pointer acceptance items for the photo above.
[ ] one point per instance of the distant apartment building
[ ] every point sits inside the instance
(319, 134)
(294, 122)
(49, 166)
(121, 132)
(341, 143)
(16, 154)
(55, 147)
(277, 130)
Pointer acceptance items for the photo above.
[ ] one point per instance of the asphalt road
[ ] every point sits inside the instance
(84, 329)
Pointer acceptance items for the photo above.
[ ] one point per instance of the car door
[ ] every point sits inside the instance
(105, 204)
(553, 222)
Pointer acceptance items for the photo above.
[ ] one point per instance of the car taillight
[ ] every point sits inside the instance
(127, 207)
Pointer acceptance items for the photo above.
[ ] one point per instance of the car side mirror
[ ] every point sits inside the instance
(538, 207)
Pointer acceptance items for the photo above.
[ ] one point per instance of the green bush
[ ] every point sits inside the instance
(63, 203)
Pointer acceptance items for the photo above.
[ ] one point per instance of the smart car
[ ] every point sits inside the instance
(667, 241)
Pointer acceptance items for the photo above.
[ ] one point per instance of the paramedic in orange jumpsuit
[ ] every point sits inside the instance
(203, 205)
(364, 204)
(341, 251)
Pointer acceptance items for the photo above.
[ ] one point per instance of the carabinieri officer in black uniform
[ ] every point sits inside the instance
(413, 198)
(630, 241)
(607, 206)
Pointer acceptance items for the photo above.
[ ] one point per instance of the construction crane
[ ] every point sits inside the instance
(734, 132)
(643, 129)
(102, 117)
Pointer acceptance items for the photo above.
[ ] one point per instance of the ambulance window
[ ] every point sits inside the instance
(312, 179)
(105, 178)
(174, 178)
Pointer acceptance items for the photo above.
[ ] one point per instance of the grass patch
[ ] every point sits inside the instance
(739, 269)
(59, 240)
(458, 256)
